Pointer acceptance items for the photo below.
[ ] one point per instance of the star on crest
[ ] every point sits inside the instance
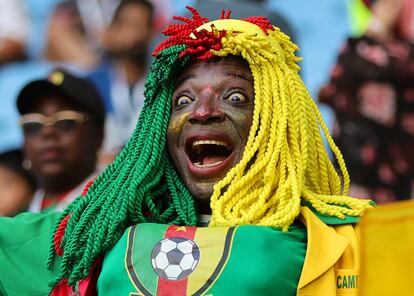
(181, 228)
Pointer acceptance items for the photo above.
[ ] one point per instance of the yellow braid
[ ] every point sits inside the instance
(284, 161)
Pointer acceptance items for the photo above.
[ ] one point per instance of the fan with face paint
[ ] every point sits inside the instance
(211, 114)
(228, 128)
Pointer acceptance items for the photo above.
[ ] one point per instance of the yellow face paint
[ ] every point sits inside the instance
(176, 124)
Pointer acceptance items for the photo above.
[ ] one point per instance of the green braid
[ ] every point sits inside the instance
(141, 185)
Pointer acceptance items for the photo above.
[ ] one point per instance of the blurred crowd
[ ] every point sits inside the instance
(72, 77)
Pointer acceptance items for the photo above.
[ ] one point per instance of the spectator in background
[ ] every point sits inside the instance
(68, 34)
(62, 121)
(372, 92)
(67, 41)
(14, 30)
(16, 183)
(121, 75)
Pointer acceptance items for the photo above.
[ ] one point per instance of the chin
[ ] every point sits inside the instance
(51, 171)
(202, 193)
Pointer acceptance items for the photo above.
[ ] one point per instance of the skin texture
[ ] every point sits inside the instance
(61, 160)
(212, 101)
(15, 192)
(392, 18)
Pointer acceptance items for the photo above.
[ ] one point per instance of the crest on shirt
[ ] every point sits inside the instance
(183, 259)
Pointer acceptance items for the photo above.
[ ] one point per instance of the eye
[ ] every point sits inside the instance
(31, 128)
(236, 97)
(66, 125)
(183, 100)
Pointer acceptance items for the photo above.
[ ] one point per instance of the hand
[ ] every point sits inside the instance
(385, 17)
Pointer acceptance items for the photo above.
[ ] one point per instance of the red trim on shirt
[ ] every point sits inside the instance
(50, 202)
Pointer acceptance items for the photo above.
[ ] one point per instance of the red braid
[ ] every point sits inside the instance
(261, 22)
(60, 232)
(85, 189)
(59, 235)
(204, 41)
(178, 32)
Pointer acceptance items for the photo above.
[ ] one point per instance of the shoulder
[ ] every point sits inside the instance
(36, 222)
(27, 231)
(25, 242)
(333, 220)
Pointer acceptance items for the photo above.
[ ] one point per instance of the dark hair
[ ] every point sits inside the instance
(145, 3)
(13, 160)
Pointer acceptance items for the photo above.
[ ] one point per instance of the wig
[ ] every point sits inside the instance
(284, 164)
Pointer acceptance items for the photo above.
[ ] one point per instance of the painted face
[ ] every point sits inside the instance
(212, 111)
(63, 153)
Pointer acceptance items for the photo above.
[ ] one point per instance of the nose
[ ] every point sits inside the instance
(48, 131)
(206, 110)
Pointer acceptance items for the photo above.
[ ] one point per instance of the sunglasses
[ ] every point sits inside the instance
(63, 121)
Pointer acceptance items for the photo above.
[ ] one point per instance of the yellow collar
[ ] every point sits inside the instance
(324, 248)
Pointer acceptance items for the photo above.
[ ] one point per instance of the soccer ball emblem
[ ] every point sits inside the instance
(175, 258)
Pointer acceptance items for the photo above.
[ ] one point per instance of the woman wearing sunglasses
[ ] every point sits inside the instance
(62, 119)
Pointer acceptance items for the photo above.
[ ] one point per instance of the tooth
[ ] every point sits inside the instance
(214, 142)
(199, 165)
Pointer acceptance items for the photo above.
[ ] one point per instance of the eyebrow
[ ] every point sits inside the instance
(183, 78)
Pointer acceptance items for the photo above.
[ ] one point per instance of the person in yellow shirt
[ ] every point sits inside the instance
(228, 138)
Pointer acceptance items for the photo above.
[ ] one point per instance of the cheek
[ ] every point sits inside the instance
(242, 121)
(177, 123)
(30, 147)
(77, 147)
(175, 130)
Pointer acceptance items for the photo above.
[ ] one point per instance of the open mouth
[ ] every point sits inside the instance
(208, 153)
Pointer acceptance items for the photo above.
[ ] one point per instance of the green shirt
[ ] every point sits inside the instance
(24, 246)
(155, 259)
(246, 260)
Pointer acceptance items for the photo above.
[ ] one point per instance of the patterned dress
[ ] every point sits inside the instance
(371, 90)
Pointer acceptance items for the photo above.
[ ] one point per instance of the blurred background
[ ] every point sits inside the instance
(357, 63)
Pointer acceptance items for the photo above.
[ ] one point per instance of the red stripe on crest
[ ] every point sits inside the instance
(187, 232)
(175, 288)
(171, 288)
